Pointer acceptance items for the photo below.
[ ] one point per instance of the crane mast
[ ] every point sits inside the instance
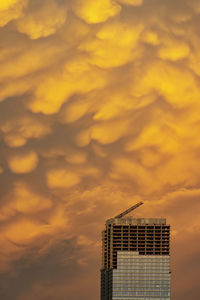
(129, 210)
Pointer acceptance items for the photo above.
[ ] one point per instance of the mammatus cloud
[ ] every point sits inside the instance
(62, 178)
(11, 9)
(23, 163)
(96, 12)
(43, 22)
(99, 109)
(76, 76)
(18, 131)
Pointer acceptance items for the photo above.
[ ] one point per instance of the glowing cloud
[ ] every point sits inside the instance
(62, 178)
(17, 132)
(44, 21)
(96, 11)
(23, 232)
(11, 9)
(27, 201)
(77, 77)
(180, 89)
(174, 51)
(107, 133)
(131, 2)
(114, 37)
(23, 164)
(5, 4)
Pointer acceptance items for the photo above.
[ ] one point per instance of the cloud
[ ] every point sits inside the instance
(174, 51)
(44, 21)
(18, 132)
(24, 201)
(109, 132)
(22, 164)
(11, 9)
(123, 168)
(180, 89)
(96, 12)
(114, 37)
(22, 62)
(131, 2)
(76, 109)
(23, 232)
(77, 77)
(62, 178)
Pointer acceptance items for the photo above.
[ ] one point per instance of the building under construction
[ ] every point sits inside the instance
(135, 258)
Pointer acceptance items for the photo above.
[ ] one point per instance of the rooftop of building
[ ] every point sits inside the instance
(136, 221)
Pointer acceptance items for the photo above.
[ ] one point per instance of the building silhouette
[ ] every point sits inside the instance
(135, 259)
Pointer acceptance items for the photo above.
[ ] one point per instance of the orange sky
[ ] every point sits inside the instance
(99, 109)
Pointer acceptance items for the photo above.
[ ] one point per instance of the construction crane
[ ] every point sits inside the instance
(128, 210)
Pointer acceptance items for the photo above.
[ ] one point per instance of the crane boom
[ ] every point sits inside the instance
(128, 210)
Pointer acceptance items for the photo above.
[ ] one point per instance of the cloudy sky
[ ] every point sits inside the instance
(99, 109)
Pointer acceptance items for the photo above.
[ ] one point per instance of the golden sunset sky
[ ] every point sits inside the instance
(99, 109)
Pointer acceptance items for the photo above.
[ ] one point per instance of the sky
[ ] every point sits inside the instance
(99, 109)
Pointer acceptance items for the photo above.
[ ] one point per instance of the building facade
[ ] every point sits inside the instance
(135, 259)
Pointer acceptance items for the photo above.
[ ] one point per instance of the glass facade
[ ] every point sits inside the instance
(141, 277)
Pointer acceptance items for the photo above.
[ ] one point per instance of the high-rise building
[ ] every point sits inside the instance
(135, 259)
